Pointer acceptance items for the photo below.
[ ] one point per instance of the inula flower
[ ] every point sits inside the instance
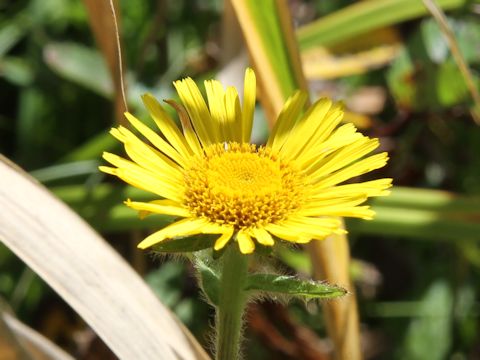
(211, 176)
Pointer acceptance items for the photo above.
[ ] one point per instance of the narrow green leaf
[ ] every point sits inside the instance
(362, 17)
(13, 31)
(426, 199)
(292, 286)
(417, 224)
(93, 148)
(62, 171)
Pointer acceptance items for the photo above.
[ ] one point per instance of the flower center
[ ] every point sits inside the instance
(242, 185)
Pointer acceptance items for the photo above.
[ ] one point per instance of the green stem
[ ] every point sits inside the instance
(231, 304)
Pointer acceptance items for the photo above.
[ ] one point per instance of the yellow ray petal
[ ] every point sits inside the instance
(216, 104)
(343, 157)
(343, 136)
(185, 227)
(320, 203)
(286, 233)
(287, 119)
(233, 115)
(362, 212)
(262, 236)
(248, 108)
(369, 188)
(245, 243)
(141, 178)
(315, 228)
(224, 238)
(167, 207)
(188, 131)
(166, 125)
(155, 139)
(310, 123)
(206, 129)
(361, 167)
(146, 156)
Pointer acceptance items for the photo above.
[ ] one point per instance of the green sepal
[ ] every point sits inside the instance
(292, 286)
(186, 244)
(209, 280)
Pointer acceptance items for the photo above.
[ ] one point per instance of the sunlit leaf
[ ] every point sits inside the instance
(292, 286)
(81, 65)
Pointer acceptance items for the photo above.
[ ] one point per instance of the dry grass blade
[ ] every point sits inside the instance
(87, 273)
(104, 17)
(447, 31)
(40, 347)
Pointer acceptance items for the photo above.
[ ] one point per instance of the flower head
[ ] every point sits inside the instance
(209, 174)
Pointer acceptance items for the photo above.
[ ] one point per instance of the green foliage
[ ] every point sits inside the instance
(292, 286)
(424, 76)
(209, 280)
(266, 284)
(429, 333)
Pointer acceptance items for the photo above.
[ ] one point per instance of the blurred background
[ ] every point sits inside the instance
(415, 267)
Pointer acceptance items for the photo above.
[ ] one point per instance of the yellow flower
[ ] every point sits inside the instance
(219, 183)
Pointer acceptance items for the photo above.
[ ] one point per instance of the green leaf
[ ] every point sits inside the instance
(429, 336)
(166, 282)
(289, 285)
(80, 64)
(425, 76)
(186, 244)
(17, 70)
(209, 280)
(362, 17)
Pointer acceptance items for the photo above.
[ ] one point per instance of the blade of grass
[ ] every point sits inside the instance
(93, 148)
(417, 224)
(435, 200)
(87, 273)
(362, 17)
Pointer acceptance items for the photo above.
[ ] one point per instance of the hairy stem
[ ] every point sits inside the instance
(231, 304)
